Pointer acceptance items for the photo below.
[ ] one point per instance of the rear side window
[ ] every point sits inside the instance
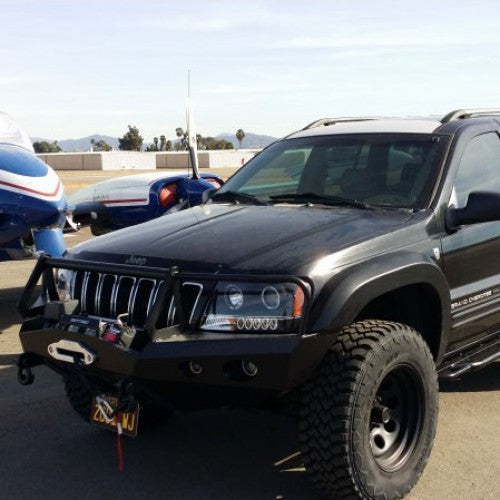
(479, 168)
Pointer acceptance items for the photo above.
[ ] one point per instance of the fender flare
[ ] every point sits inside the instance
(347, 293)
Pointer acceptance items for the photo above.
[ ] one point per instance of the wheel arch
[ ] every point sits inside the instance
(407, 287)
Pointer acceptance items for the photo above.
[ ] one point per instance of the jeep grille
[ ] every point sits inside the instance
(109, 295)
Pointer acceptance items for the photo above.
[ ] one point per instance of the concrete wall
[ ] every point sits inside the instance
(129, 160)
(206, 159)
(73, 161)
(231, 158)
(138, 160)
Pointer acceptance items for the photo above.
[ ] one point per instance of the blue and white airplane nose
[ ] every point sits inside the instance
(31, 200)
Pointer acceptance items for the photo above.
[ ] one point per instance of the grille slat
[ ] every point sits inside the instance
(105, 295)
(141, 299)
(109, 295)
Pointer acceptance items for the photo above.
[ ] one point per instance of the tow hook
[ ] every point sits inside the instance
(24, 373)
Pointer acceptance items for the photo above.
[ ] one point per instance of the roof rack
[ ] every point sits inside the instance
(462, 114)
(332, 121)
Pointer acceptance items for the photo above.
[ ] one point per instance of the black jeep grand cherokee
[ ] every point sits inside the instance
(347, 265)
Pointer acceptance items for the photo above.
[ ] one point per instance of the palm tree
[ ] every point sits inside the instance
(240, 135)
(163, 141)
(155, 140)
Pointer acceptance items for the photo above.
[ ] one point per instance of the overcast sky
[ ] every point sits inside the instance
(72, 68)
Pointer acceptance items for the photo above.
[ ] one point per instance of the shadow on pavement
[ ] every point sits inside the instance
(216, 454)
(8, 359)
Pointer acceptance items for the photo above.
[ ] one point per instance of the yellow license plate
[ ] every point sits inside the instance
(129, 421)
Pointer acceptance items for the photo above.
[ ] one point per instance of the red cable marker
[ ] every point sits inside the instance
(119, 449)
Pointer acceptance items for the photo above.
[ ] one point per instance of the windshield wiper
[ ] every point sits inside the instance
(320, 199)
(237, 197)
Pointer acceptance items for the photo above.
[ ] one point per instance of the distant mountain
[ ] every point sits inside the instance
(83, 144)
(251, 141)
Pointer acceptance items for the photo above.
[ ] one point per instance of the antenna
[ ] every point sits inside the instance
(191, 132)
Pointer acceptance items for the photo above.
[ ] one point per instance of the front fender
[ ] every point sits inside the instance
(344, 297)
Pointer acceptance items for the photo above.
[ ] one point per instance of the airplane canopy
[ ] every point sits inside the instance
(10, 133)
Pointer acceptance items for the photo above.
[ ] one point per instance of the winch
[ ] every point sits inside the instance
(118, 332)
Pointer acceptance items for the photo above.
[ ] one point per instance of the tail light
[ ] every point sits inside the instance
(167, 195)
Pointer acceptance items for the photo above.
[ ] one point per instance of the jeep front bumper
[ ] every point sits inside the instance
(204, 360)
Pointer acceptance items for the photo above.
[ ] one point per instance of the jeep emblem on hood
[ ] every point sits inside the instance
(136, 261)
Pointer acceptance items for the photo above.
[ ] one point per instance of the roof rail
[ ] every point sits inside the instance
(462, 114)
(332, 121)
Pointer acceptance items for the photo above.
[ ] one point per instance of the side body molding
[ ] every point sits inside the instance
(349, 292)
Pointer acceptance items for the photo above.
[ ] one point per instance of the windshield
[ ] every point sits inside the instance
(394, 170)
(10, 133)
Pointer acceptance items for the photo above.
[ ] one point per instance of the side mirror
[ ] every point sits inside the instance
(207, 194)
(482, 206)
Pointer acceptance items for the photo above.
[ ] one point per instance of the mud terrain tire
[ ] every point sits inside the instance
(368, 416)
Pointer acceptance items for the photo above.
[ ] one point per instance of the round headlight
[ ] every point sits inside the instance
(234, 297)
(271, 297)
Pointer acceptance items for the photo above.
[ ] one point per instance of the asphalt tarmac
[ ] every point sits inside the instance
(48, 453)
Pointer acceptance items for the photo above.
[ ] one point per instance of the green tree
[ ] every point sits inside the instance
(100, 145)
(132, 140)
(240, 135)
(163, 141)
(155, 140)
(168, 146)
(46, 147)
(211, 143)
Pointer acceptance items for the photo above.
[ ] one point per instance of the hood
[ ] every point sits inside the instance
(243, 238)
